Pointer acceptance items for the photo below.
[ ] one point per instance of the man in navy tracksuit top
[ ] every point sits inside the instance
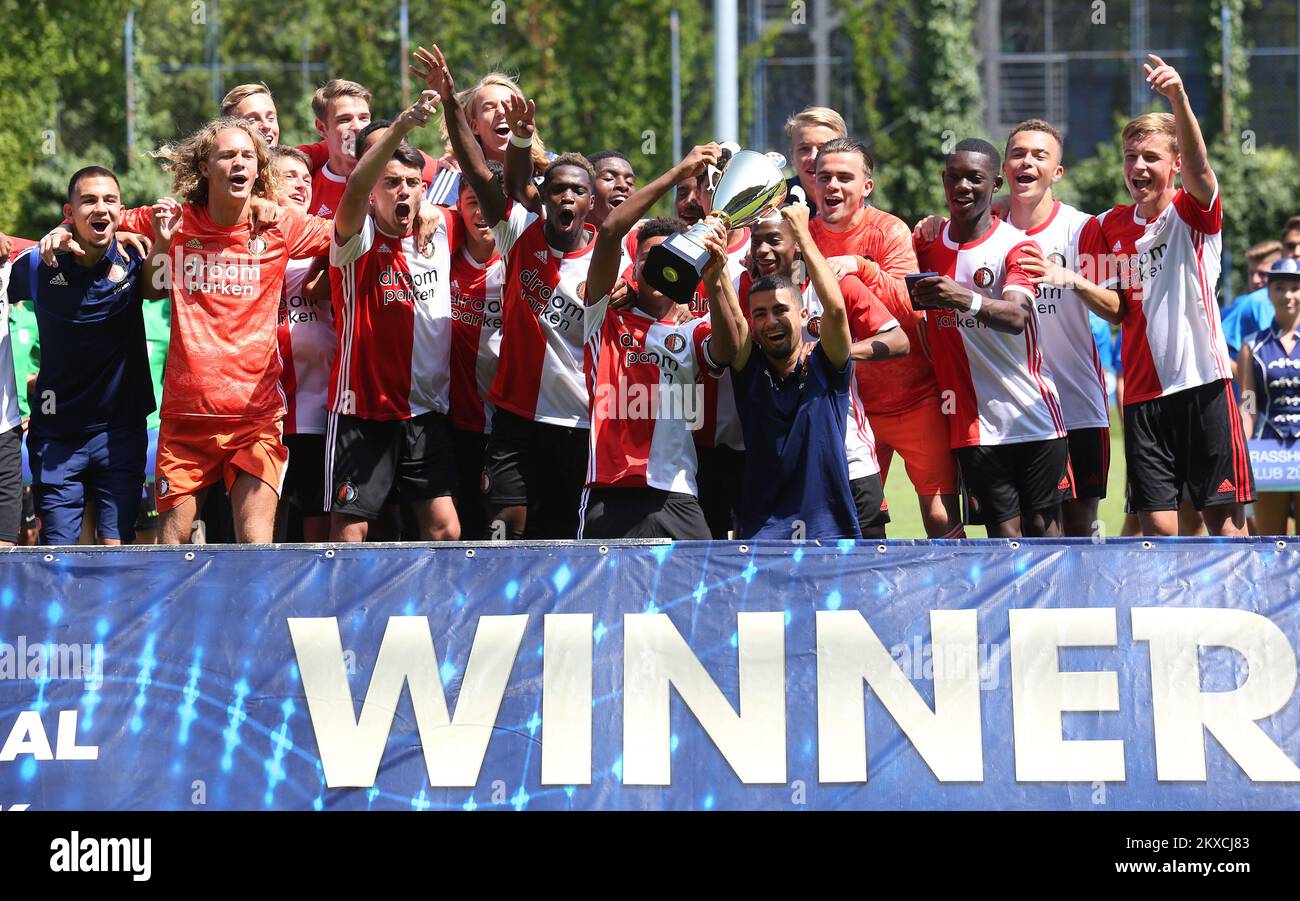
(87, 440)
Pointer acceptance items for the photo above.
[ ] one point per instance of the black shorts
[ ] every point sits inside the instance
(1009, 480)
(538, 465)
(1189, 440)
(369, 460)
(1089, 462)
(641, 513)
(304, 478)
(869, 498)
(469, 483)
(11, 484)
(719, 474)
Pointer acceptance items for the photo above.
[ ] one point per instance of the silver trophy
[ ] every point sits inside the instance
(751, 187)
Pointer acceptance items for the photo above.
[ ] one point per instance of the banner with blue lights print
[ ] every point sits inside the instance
(909, 675)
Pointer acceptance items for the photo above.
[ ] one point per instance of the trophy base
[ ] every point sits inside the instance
(675, 266)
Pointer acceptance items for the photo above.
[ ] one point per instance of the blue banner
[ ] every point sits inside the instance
(1123, 674)
(1276, 464)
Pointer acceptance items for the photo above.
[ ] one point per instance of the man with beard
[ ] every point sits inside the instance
(982, 327)
(775, 250)
(793, 406)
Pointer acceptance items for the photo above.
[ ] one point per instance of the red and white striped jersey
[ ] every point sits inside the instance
(1063, 327)
(326, 191)
(540, 374)
(646, 400)
(1167, 269)
(867, 317)
(392, 312)
(475, 338)
(305, 333)
(1002, 391)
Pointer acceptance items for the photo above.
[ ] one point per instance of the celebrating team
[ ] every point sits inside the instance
(361, 333)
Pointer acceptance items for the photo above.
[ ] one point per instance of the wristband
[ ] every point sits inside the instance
(976, 301)
(521, 142)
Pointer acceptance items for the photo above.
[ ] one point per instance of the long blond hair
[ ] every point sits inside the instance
(183, 161)
(468, 100)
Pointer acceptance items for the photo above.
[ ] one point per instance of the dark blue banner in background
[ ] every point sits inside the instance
(908, 675)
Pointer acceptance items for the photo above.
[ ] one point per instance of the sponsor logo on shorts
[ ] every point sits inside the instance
(347, 493)
(163, 487)
(675, 343)
(1064, 484)
(59, 280)
(983, 277)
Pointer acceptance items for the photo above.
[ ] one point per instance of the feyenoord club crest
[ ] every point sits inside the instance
(983, 277)
(347, 493)
(1056, 258)
(674, 343)
(163, 487)
(256, 245)
(116, 272)
(815, 326)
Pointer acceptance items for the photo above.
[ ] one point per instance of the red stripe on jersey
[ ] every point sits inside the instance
(1240, 457)
(1035, 361)
(952, 367)
(1211, 316)
(1140, 378)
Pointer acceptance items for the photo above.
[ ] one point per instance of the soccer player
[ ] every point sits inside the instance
(536, 455)
(477, 275)
(342, 109)
(253, 103)
(307, 343)
(615, 182)
(484, 107)
(1251, 312)
(221, 406)
(87, 440)
(645, 367)
(807, 131)
(902, 397)
(775, 250)
(793, 406)
(982, 329)
(1181, 423)
(1065, 299)
(1266, 374)
(390, 389)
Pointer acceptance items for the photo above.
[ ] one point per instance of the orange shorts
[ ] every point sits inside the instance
(920, 435)
(194, 452)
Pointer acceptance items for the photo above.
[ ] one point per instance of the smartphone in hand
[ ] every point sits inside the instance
(911, 281)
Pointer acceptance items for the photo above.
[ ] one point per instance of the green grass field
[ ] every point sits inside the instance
(905, 515)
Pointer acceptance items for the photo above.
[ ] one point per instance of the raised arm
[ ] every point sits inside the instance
(729, 342)
(1197, 176)
(351, 214)
(521, 116)
(432, 69)
(835, 339)
(608, 252)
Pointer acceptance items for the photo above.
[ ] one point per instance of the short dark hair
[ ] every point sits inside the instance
(849, 145)
(601, 155)
(363, 136)
(498, 176)
(404, 154)
(90, 172)
(979, 145)
(576, 160)
(659, 227)
(776, 282)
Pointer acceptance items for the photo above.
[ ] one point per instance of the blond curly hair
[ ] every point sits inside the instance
(183, 161)
(468, 100)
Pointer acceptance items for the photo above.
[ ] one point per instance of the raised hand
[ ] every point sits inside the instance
(59, 240)
(141, 244)
(797, 215)
(1043, 270)
(716, 243)
(6, 246)
(699, 159)
(1163, 77)
(166, 214)
(843, 265)
(432, 69)
(419, 113)
(521, 116)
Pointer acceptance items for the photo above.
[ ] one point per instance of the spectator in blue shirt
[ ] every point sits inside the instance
(87, 439)
(1251, 312)
(793, 404)
(1269, 376)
